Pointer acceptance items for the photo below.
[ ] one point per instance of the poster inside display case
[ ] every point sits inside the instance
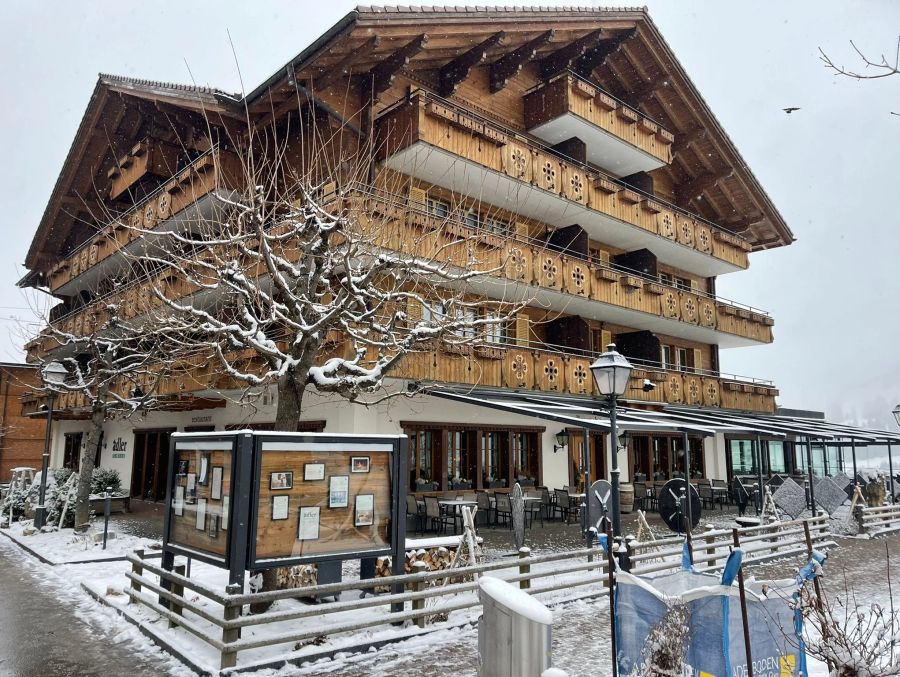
(340, 495)
(200, 493)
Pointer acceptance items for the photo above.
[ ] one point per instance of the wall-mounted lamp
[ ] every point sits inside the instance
(562, 441)
(648, 385)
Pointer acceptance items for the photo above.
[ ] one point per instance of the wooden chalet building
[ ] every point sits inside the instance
(570, 140)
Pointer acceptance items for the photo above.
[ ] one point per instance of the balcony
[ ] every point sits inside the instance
(184, 198)
(619, 138)
(445, 146)
(523, 268)
(547, 369)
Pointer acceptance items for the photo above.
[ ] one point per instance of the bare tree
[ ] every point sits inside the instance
(879, 69)
(112, 367)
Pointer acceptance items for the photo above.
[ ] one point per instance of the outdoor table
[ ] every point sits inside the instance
(456, 505)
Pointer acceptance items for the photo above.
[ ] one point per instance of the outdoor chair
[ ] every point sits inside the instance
(640, 477)
(562, 504)
(417, 511)
(483, 516)
(437, 518)
(504, 509)
(642, 497)
(547, 502)
(707, 498)
(533, 508)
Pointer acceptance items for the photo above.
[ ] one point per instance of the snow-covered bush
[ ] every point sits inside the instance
(17, 499)
(54, 497)
(103, 479)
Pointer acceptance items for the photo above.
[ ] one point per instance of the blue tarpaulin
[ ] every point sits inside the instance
(715, 635)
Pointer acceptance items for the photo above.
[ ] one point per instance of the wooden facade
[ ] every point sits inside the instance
(443, 97)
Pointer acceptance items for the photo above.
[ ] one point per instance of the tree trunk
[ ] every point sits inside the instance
(287, 417)
(86, 467)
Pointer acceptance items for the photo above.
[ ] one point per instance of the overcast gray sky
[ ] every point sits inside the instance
(830, 167)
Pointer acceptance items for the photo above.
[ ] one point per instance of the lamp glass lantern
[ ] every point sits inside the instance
(897, 414)
(611, 372)
(54, 373)
(562, 441)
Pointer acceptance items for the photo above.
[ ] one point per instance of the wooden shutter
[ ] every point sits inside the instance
(602, 257)
(417, 197)
(695, 286)
(698, 360)
(523, 232)
(605, 339)
(523, 329)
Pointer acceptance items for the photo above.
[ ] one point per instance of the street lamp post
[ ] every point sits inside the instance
(52, 374)
(896, 413)
(611, 374)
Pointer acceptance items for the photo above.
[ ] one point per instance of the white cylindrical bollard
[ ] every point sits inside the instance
(514, 634)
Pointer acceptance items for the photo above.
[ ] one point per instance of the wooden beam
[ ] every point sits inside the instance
(564, 57)
(685, 140)
(743, 223)
(642, 95)
(345, 66)
(455, 72)
(382, 76)
(596, 56)
(690, 190)
(511, 63)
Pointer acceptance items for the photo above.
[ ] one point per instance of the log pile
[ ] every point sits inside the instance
(300, 576)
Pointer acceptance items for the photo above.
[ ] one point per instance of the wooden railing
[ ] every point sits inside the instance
(214, 169)
(568, 93)
(213, 616)
(396, 224)
(877, 521)
(424, 118)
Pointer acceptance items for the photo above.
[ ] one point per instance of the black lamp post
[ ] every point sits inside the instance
(611, 374)
(52, 374)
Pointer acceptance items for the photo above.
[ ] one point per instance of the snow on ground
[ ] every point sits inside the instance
(60, 546)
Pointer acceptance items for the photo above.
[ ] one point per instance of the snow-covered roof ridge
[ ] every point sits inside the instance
(143, 83)
(489, 9)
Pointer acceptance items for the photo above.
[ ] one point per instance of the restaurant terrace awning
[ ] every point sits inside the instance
(586, 412)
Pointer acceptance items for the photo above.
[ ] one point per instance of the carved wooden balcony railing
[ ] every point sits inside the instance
(618, 138)
(424, 137)
(212, 170)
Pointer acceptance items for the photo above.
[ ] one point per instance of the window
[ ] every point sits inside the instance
(525, 461)
(674, 358)
(461, 461)
(72, 450)
(494, 459)
(665, 278)
(421, 458)
(777, 459)
(465, 316)
(433, 312)
(742, 458)
(497, 226)
(498, 330)
(437, 208)
(683, 283)
(681, 359)
(667, 357)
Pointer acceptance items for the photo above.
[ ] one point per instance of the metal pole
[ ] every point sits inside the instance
(40, 512)
(891, 470)
(614, 473)
(611, 578)
(586, 503)
(812, 479)
(853, 451)
(687, 474)
(737, 544)
(107, 503)
(759, 475)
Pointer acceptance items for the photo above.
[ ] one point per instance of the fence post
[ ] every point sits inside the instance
(231, 612)
(859, 514)
(137, 570)
(710, 546)
(176, 589)
(525, 583)
(418, 585)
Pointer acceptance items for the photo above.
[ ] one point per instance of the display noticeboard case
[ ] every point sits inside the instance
(248, 500)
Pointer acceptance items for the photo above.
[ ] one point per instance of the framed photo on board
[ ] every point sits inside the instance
(280, 507)
(308, 529)
(213, 526)
(338, 491)
(313, 472)
(183, 466)
(359, 464)
(201, 515)
(191, 487)
(215, 491)
(365, 510)
(203, 478)
(278, 481)
(178, 502)
(226, 504)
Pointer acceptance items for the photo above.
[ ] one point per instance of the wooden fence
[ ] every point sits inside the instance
(877, 521)
(216, 618)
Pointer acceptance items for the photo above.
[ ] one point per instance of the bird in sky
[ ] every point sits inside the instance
(790, 110)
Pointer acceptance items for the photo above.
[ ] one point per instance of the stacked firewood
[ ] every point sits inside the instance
(300, 576)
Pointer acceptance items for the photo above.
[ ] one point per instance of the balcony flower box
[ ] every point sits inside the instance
(607, 186)
(606, 274)
(652, 206)
(456, 349)
(495, 136)
(631, 281)
(756, 317)
(606, 102)
(665, 136)
(629, 196)
(471, 124)
(628, 115)
(769, 321)
(654, 288)
(584, 89)
(658, 376)
(649, 126)
(744, 314)
(489, 353)
(440, 111)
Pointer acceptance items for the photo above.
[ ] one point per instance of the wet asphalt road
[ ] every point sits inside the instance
(40, 636)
